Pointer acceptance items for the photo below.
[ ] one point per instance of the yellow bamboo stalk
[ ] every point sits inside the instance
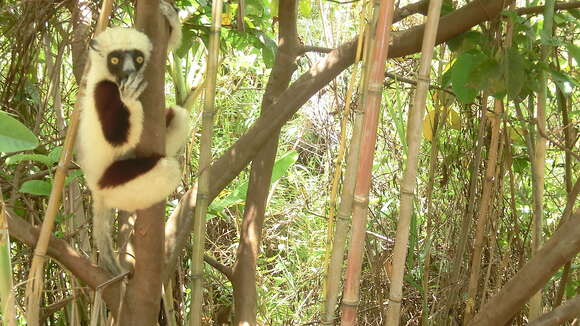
(332, 281)
(36, 275)
(198, 237)
(409, 181)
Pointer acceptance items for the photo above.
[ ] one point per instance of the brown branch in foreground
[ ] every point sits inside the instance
(226, 270)
(228, 166)
(562, 246)
(58, 249)
(540, 9)
(53, 308)
(566, 312)
(236, 158)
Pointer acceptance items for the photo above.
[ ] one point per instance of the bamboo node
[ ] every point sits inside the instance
(342, 216)
(197, 276)
(201, 196)
(375, 87)
(397, 301)
(407, 192)
(423, 78)
(361, 200)
(41, 255)
(354, 304)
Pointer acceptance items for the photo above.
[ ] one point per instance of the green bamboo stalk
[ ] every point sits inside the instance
(372, 102)
(6, 293)
(335, 258)
(540, 153)
(198, 237)
(409, 181)
(36, 275)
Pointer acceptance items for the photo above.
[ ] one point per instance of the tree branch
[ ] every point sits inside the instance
(540, 9)
(562, 246)
(237, 157)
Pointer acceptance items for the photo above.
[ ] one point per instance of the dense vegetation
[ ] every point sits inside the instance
(486, 85)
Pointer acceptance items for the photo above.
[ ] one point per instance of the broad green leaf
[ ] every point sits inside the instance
(54, 154)
(36, 187)
(563, 81)
(238, 196)
(574, 51)
(462, 74)
(514, 72)
(44, 159)
(14, 136)
(305, 8)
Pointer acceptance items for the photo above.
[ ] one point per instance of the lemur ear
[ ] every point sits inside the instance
(93, 44)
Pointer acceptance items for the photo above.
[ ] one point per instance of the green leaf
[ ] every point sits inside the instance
(514, 71)
(283, 164)
(574, 51)
(462, 74)
(563, 81)
(54, 154)
(44, 159)
(238, 196)
(72, 175)
(305, 8)
(14, 136)
(36, 187)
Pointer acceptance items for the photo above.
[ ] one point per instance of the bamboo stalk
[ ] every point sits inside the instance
(482, 215)
(35, 277)
(198, 237)
(372, 103)
(409, 181)
(7, 303)
(334, 257)
(540, 153)
(438, 123)
(457, 263)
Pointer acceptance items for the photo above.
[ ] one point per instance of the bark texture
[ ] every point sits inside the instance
(244, 272)
(228, 166)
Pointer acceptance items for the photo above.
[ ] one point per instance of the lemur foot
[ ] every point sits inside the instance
(171, 14)
(132, 87)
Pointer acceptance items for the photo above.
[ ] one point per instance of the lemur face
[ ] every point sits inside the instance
(117, 53)
(122, 63)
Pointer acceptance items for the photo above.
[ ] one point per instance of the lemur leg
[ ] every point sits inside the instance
(138, 183)
(178, 125)
(102, 230)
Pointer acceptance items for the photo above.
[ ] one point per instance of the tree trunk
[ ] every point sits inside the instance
(143, 295)
(244, 272)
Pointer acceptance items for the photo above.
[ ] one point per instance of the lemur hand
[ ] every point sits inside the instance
(132, 87)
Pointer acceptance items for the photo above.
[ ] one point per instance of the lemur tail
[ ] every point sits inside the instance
(102, 233)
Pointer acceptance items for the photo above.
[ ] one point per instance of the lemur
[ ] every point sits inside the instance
(110, 128)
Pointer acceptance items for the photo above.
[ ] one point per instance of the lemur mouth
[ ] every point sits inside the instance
(128, 68)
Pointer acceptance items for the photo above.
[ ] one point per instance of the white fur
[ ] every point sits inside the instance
(172, 17)
(177, 132)
(145, 190)
(96, 154)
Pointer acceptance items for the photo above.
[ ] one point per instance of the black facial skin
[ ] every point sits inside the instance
(122, 63)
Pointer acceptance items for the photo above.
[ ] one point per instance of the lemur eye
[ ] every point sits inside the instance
(139, 59)
(115, 60)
